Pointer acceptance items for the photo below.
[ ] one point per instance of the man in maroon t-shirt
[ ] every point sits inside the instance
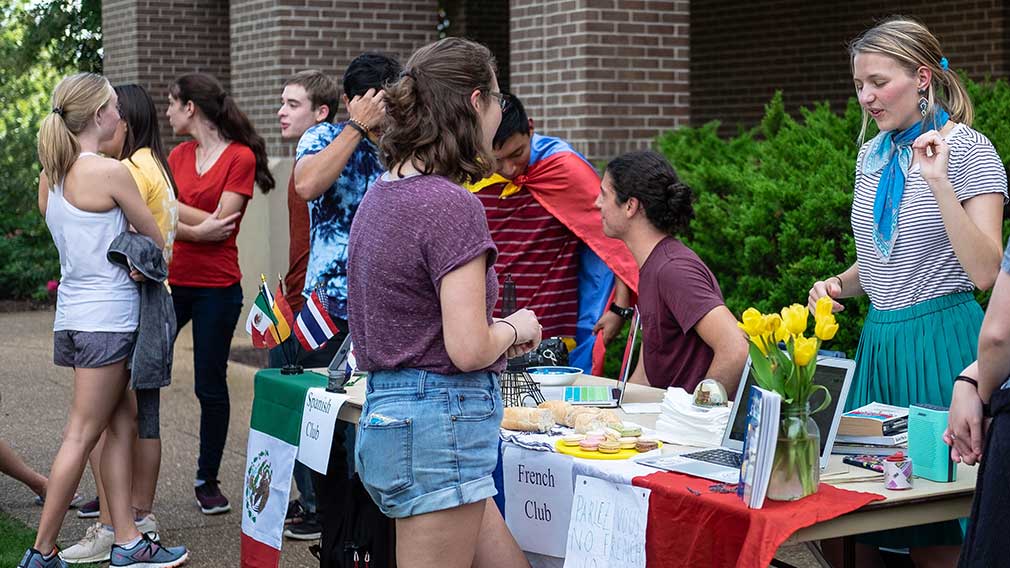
(688, 334)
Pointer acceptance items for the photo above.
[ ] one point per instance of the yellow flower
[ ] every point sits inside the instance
(752, 323)
(804, 350)
(781, 333)
(794, 318)
(772, 322)
(823, 307)
(825, 328)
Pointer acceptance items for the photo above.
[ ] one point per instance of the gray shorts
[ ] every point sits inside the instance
(91, 349)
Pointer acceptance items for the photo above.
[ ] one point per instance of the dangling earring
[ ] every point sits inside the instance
(923, 102)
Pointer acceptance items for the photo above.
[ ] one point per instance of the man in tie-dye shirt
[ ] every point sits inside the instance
(335, 165)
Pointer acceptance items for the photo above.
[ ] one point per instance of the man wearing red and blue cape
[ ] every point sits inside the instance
(542, 217)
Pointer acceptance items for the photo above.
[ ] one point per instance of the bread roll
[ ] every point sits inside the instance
(528, 419)
(576, 411)
(610, 418)
(558, 408)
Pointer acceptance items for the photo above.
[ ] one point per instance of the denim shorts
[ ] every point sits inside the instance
(428, 442)
(91, 349)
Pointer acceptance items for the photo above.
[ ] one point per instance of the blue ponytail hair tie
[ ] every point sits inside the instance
(944, 64)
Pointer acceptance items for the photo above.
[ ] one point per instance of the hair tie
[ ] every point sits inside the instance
(944, 64)
(406, 73)
(58, 110)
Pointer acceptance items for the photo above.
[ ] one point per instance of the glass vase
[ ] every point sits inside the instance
(796, 468)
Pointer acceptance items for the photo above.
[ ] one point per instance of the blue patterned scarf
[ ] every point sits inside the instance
(890, 153)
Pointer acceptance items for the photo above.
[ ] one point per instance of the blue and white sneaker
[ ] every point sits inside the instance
(35, 559)
(148, 554)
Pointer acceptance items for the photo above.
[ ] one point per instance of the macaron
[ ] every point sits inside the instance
(572, 439)
(628, 443)
(609, 447)
(590, 444)
(611, 434)
(629, 430)
(646, 445)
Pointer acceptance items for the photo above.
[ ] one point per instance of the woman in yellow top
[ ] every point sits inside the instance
(137, 143)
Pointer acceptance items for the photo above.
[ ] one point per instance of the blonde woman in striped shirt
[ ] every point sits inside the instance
(926, 218)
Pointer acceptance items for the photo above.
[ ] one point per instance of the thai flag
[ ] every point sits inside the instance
(313, 327)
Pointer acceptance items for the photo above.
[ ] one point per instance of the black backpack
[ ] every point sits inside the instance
(355, 532)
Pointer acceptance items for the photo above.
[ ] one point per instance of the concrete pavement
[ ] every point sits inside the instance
(36, 396)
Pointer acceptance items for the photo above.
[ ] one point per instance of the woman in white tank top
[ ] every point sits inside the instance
(87, 201)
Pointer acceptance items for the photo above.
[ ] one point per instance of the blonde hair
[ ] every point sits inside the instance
(75, 101)
(912, 45)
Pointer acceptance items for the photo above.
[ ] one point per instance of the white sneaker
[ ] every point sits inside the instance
(96, 546)
(149, 526)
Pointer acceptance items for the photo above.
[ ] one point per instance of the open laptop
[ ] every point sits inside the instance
(723, 463)
(602, 396)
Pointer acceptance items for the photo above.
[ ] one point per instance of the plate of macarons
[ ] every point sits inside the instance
(613, 443)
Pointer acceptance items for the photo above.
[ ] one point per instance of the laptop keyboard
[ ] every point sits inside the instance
(718, 456)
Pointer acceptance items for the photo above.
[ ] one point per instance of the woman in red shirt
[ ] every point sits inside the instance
(215, 173)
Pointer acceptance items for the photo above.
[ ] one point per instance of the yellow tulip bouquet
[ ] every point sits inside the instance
(796, 470)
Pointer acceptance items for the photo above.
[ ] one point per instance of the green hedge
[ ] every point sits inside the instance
(773, 203)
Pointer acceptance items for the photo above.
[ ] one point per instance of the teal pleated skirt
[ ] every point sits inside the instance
(911, 355)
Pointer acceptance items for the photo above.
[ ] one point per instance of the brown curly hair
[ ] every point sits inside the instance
(430, 118)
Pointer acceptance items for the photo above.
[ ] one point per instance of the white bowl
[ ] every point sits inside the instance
(554, 376)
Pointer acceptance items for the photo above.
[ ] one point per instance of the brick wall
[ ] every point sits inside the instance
(487, 22)
(272, 40)
(741, 55)
(151, 42)
(607, 75)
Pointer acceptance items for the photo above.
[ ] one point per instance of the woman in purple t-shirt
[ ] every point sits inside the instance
(421, 287)
(688, 334)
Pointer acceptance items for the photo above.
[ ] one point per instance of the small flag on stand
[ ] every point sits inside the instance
(268, 319)
(313, 327)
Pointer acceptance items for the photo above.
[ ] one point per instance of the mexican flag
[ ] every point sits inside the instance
(270, 460)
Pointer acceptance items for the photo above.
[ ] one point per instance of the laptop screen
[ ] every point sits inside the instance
(830, 373)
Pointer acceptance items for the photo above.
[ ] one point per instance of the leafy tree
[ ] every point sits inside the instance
(39, 43)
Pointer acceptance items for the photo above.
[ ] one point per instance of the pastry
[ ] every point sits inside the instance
(646, 445)
(628, 443)
(527, 419)
(558, 408)
(589, 444)
(576, 411)
(585, 423)
(609, 447)
(610, 418)
(628, 430)
(573, 439)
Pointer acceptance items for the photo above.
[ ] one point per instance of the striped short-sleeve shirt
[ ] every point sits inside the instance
(922, 265)
(540, 254)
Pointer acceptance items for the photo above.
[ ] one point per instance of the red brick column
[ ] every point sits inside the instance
(271, 41)
(607, 75)
(151, 42)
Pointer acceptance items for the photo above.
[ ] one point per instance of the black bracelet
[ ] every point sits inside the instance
(353, 124)
(968, 380)
(514, 331)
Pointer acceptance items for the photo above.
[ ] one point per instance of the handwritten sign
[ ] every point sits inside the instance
(319, 416)
(607, 527)
(538, 498)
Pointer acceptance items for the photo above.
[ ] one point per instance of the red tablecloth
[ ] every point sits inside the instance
(717, 529)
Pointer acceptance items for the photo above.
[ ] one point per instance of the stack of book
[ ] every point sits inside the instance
(875, 430)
